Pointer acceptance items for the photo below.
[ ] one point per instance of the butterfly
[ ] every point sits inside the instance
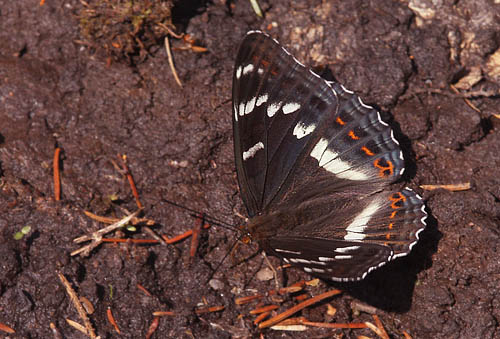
(314, 166)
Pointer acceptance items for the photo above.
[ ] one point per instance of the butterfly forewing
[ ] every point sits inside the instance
(277, 105)
(312, 162)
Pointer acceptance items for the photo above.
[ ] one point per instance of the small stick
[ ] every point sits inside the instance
(154, 235)
(467, 101)
(172, 33)
(277, 283)
(108, 220)
(152, 328)
(112, 320)
(77, 326)
(131, 182)
(296, 308)
(194, 238)
(79, 308)
(171, 62)
(452, 187)
(57, 177)
(96, 236)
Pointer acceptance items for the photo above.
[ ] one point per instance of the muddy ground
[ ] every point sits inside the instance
(400, 56)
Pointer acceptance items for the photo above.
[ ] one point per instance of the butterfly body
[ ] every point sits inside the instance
(314, 164)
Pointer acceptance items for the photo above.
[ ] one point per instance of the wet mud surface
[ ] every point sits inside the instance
(401, 57)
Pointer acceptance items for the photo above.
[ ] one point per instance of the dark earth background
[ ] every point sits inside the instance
(58, 87)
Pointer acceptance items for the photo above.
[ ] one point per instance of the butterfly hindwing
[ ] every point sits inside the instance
(332, 259)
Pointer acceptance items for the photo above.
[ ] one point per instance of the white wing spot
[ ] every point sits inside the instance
(287, 251)
(326, 259)
(260, 71)
(241, 111)
(250, 106)
(235, 108)
(273, 108)
(330, 161)
(238, 72)
(358, 225)
(299, 260)
(307, 269)
(252, 150)
(247, 69)
(301, 130)
(342, 257)
(262, 99)
(290, 107)
(346, 249)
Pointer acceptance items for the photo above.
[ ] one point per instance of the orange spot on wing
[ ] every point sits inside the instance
(386, 169)
(388, 236)
(393, 214)
(340, 121)
(367, 151)
(352, 135)
(396, 198)
(391, 225)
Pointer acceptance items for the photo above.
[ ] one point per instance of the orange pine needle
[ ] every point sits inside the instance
(6, 328)
(200, 311)
(383, 334)
(57, 177)
(42, 2)
(246, 300)
(112, 320)
(142, 288)
(152, 328)
(264, 309)
(407, 336)
(296, 308)
(182, 236)
(162, 313)
(261, 317)
(334, 325)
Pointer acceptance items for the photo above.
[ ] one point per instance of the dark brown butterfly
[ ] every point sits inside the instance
(314, 165)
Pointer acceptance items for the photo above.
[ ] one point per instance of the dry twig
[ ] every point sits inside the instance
(79, 308)
(96, 237)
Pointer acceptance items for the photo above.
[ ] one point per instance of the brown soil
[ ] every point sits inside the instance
(56, 91)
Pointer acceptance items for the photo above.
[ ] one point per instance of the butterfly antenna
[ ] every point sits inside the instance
(225, 256)
(196, 214)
